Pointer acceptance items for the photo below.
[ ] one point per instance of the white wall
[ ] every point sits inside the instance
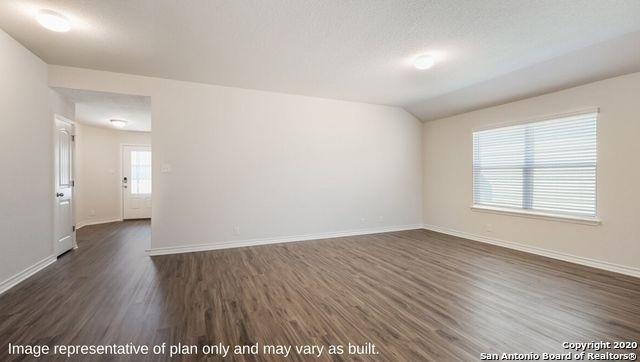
(27, 106)
(61, 105)
(98, 164)
(448, 180)
(270, 164)
(281, 165)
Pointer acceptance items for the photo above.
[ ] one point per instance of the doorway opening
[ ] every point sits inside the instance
(136, 182)
(110, 166)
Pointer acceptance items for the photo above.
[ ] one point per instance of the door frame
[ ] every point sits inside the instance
(54, 134)
(122, 146)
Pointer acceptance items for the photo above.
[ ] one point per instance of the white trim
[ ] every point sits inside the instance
(541, 215)
(19, 277)
(536, 215)
(275, 240)
(616, 268)
(96, 222)
(122, 147)
(549, 117)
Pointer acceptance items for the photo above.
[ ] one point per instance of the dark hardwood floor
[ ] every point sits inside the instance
(417, 295)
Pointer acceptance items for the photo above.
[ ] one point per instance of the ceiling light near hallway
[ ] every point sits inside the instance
(423, 62)
(118, 123)
(53, 21)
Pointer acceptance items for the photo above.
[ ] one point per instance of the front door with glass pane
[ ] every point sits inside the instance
(136, 182)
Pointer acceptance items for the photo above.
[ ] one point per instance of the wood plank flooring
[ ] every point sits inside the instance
(417, 295)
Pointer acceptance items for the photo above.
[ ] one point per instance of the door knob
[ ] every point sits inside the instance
(59, 194)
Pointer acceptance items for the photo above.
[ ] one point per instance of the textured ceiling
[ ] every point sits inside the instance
(98, 108)
(354, 50)
(600, 61)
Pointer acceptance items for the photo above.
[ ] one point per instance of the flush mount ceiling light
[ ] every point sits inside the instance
(424, 61)
(53, 21)
(118, 123)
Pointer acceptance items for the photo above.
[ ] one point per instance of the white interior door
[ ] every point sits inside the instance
(136, 182)
(65, 236)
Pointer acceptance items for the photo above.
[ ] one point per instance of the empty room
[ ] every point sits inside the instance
(249, 180)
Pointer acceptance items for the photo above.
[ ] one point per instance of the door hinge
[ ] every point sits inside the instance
(73, 138)
(73, 228)
(73, 183)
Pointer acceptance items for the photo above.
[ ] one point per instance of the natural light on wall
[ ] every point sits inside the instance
(546, 167)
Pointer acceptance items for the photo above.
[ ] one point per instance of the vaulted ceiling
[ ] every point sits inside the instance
(489, 51)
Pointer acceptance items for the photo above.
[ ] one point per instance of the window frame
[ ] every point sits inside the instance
(532, 213)
(131, 181)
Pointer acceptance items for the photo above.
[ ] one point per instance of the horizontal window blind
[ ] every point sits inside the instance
(547, 166)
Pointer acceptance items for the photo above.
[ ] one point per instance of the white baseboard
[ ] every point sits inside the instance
(276, 240)
(17, 278)
(95, 222)
(617, 268)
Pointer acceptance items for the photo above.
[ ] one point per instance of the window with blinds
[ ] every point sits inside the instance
(545, 167)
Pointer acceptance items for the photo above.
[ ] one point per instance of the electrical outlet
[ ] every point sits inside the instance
(92, 213)
(488, 228)
(381, 218)
(363, 219)
(236, 230)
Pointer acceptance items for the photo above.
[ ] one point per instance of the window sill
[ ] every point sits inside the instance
(537, 215)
